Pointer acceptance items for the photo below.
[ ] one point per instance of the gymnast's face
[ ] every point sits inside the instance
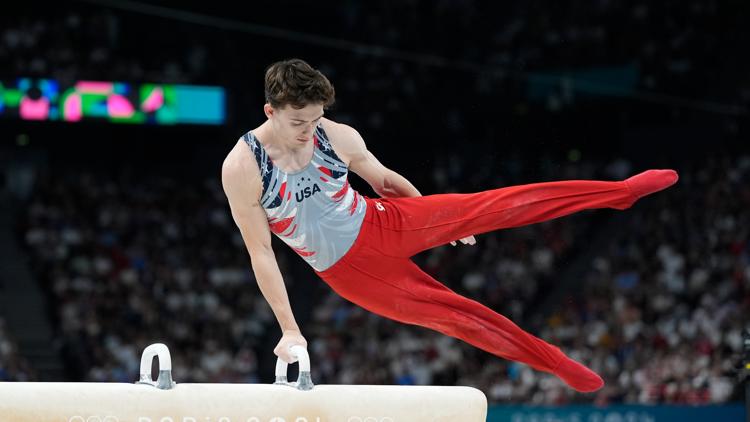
(294, 126)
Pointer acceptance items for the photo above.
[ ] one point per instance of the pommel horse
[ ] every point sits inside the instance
(163, 400)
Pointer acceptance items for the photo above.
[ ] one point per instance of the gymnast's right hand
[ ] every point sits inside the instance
(288, 339)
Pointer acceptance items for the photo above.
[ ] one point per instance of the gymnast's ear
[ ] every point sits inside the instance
(268, 110)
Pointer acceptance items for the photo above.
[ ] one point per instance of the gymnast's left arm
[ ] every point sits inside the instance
(384, 181)
(387, 183)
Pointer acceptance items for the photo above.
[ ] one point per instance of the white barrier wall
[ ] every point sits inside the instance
(103, 402)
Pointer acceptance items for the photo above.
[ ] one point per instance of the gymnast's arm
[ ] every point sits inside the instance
(242, 185)
(384, 181)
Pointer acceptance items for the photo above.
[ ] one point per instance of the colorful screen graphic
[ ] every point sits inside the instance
(117, 102)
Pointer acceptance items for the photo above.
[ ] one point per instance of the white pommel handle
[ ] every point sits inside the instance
(164, 381)
(156, 349)
(304, 381)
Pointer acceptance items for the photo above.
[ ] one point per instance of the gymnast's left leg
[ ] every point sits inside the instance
(398, 289)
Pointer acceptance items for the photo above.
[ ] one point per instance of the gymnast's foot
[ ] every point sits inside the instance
(651, 181)
(643, 184)
(577, 376)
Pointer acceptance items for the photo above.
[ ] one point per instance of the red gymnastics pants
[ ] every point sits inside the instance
(378, 274)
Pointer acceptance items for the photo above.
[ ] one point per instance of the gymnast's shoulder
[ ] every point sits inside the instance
(344, 139)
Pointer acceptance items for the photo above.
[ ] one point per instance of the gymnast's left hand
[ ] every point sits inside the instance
(466, 241)
(288, 339)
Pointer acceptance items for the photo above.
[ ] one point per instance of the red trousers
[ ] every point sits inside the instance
(377, 274)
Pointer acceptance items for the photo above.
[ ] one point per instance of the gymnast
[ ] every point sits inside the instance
(288, 177)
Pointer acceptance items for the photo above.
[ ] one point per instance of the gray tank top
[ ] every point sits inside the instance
(314, 210)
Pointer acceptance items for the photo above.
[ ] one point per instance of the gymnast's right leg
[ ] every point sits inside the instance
(408, 226)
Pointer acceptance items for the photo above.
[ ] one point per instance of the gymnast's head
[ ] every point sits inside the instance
(296, 96)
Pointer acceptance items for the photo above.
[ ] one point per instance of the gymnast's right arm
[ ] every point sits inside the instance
(242, 186)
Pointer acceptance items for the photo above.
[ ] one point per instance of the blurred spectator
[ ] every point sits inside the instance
(13, 367)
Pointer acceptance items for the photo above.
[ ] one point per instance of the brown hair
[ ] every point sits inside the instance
(296, 83)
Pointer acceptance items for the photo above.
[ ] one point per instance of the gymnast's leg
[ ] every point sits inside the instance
(408, 226)
(398, 289)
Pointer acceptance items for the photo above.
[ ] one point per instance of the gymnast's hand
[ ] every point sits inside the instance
(466, 241)
(288, 339)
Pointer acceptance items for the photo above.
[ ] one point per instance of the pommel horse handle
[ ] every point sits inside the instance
(304, 380)
(164, 382)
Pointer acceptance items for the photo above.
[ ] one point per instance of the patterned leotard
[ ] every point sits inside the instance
(313, 210)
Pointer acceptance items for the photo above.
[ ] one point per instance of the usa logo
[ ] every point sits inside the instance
(307, 192)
